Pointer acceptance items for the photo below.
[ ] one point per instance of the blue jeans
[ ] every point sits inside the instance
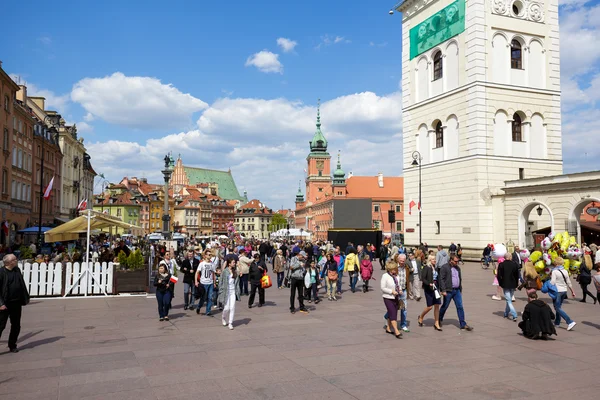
(244, 284)
(188, 294)
(280, 277)
(339, 281)
(353, 280)
(561, 296)
(208, 295)
(508, 294)
(164, 302)
(403, 313)
(460, 311)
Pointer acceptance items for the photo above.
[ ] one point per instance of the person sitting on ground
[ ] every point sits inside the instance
(537, 318)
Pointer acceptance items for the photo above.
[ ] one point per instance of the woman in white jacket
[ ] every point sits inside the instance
(390, 289)
(560, 279)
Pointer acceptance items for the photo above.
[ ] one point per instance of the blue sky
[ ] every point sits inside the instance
(211, 80)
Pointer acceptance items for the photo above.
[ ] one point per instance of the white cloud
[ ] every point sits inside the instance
(382, 44)
(266, 141)
(89, 117)
(327, 40)
(265, 61)
(45, 40)
(136, 101)
(287, 45)
(54, 102)
(84, 127)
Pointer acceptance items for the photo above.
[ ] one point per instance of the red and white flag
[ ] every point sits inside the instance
(173, 279)
(48, 190)
(82, 205)
(5, 227)
(411, 205)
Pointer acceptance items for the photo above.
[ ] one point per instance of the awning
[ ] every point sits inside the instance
(35, 229)
(71, 230)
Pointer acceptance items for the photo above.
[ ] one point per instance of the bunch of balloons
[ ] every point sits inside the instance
(553, 246)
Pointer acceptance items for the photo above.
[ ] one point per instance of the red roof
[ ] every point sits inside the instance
(258, 206)
(360, 187)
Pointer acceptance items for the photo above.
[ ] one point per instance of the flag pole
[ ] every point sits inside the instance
(87, 250)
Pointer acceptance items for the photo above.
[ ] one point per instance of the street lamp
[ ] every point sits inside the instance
(167, 172)
(539, 210)
(418, 161)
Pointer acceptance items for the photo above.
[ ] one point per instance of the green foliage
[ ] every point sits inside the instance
(122, 258)
(135, 260)
(25, 253)
(277, 222)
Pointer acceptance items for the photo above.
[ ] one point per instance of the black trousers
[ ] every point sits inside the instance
(12, 312)
(297, 285)
(261, 293)
(585, 291)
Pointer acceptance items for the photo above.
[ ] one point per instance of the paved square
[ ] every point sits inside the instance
(115, 348)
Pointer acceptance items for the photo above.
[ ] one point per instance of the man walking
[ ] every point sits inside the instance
(450, 281)
(13, 296)
(257, 270)
(206, 273)
(297, 284)
(441, 258)
(189, 267)
(244, 268)
(508, 280)
(415, 277)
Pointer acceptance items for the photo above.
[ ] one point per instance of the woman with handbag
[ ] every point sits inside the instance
(390, 289)
(432, 294)
(531, 279)
(229, 292)
(162, 282)
(332, 276)
(585, 277)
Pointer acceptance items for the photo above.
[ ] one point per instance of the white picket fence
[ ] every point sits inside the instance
(47, 279)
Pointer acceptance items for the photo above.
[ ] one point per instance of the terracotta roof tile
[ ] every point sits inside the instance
(368, 187)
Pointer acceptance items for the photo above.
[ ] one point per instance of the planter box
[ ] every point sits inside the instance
(131, 281)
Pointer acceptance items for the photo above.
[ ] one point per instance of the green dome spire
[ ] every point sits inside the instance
(299, 195)
(318, 144)
(339, 176)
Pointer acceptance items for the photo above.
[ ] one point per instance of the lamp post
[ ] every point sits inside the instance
(167, 172)
(417, 161)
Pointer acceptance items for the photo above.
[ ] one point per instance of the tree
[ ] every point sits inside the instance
(277, 222)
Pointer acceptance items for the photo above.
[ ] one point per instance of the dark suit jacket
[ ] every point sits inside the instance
(445, 278)
(189, 270)
(508, 274)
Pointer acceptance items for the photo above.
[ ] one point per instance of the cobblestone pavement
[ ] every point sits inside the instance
(115, 348)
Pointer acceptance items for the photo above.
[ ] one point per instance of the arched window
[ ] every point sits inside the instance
(439, 135)
(517, 135)
(437, 66)
(516, 55)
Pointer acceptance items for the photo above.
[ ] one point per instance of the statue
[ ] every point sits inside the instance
(167, 161)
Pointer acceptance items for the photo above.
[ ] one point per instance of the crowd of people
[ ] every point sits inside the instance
(217, 274)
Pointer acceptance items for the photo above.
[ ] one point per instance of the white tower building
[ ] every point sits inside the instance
(481, 103)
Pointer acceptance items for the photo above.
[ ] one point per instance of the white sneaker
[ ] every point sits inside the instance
(224, 322)
(494, 297)
(571, 325)
(513, 299)
(230, 327)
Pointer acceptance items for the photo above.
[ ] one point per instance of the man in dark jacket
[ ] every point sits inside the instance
(257, 270)
(508, 280)
(189, 267)
(263, 249)
(450, 281)
(537, 319)
(13, 296)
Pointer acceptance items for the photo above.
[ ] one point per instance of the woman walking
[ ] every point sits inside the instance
(162, 282)
(352, 266)
(432, 295)
(229, 292)
(390, 291)
(279, 268)
(331, 277)
(585, 278)
(560, 279)
(530, 278)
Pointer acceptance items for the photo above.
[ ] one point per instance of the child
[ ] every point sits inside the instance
(366, 272)
(314, 278)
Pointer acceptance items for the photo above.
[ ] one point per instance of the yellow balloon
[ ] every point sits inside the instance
(567, 264)
(540, 266)
(553, 254)
(543, 276)
(575, 266)
(572, 241)
(558, 238)
(564, 245)
(536, 255)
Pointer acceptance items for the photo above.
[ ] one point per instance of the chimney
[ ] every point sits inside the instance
(380, 179)
(350, 174)
(22, 94)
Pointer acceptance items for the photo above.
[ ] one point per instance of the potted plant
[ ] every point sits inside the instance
(133, 274)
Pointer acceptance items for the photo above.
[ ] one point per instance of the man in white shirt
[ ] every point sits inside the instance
(415, 277)
(205, 276)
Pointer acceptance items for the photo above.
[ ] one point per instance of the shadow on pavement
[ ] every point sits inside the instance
(40, 342)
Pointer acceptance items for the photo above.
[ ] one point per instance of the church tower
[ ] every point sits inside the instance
(339, 180)
(318, 172)
(481, 106)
